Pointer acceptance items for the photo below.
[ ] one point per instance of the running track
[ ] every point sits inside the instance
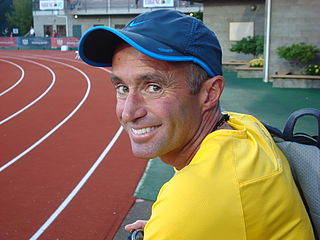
(66, 169)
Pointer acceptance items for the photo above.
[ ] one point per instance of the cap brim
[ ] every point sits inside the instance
(98, 44)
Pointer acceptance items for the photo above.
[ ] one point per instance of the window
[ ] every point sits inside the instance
(119, 26)
(239, 30)
(61, 30)
(76, 31)
(47, 30)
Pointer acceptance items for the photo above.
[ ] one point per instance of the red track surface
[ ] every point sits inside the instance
(51, 145)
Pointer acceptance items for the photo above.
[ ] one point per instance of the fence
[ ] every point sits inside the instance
(39, 42)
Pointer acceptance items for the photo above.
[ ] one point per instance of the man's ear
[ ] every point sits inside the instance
(211, 91)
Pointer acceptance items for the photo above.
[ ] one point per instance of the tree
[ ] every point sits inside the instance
(5, 6)
(299, 55)
(21, 15)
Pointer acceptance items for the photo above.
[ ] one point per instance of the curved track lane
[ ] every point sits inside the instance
(36, 99)
(65, 188)
(27, 91)
(9, 74)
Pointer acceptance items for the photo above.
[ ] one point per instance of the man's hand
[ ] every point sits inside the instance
(136, 225)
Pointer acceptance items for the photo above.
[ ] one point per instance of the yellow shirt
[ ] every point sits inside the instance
(238, 186)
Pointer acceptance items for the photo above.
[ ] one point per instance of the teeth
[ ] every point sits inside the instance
(143, 130)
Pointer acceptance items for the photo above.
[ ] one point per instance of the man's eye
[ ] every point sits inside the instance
(153, 88)
(122, 89)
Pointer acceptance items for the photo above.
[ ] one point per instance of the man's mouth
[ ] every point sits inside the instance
(144, 130)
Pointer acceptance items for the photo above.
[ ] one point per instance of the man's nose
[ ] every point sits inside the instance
(133, 108)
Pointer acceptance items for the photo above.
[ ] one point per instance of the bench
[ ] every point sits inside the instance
(249, 72)
(295, 81)
(229, 66)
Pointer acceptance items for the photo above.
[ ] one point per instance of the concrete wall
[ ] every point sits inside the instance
(293, 21)
(218, 14)
(109, 21)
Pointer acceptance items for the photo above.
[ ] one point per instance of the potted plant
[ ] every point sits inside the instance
(313, 69)
(249, 45)
(257, 62)
(298, 55)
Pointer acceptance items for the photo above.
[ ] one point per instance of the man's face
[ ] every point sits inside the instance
(154, 103)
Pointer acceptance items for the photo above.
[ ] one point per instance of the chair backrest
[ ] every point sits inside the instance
(303, 154)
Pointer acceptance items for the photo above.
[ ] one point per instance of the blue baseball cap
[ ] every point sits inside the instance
(164, 34)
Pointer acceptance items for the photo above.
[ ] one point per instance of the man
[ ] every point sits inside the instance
(32, 32)
(231, 180)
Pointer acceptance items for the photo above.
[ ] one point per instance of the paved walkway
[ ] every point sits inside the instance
(270, 105)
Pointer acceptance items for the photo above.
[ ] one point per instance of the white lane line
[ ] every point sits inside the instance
(57, 126)
(70, 60)
(19, 80)
(38, 98)
(64, 204)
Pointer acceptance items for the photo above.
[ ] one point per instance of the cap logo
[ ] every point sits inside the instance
(132, 24)
(167, 50)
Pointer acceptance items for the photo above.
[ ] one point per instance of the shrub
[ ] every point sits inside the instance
(298, 53)
(313, 69)
(249, 45)
(198, 15)
(257, 62)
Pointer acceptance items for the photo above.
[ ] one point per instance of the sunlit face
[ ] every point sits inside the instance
(154, 103)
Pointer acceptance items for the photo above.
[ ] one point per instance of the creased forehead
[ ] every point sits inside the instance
(125, 50)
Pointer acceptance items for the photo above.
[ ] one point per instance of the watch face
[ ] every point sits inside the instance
(136, 235)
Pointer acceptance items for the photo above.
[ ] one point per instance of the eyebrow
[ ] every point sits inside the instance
(114, 79)
(144, 78)
(150, 77)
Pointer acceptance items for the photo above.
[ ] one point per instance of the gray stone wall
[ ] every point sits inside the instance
(218, 14)
(293, 21)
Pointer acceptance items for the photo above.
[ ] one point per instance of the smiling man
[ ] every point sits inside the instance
(155, 106)
(231, 181)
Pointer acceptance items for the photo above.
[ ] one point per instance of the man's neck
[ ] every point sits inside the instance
(182, 157)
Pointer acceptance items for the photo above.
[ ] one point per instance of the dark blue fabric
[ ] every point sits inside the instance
(288, 132)
(164, 34)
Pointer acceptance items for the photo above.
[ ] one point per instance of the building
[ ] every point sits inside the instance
(71, 18)
(282, 22)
